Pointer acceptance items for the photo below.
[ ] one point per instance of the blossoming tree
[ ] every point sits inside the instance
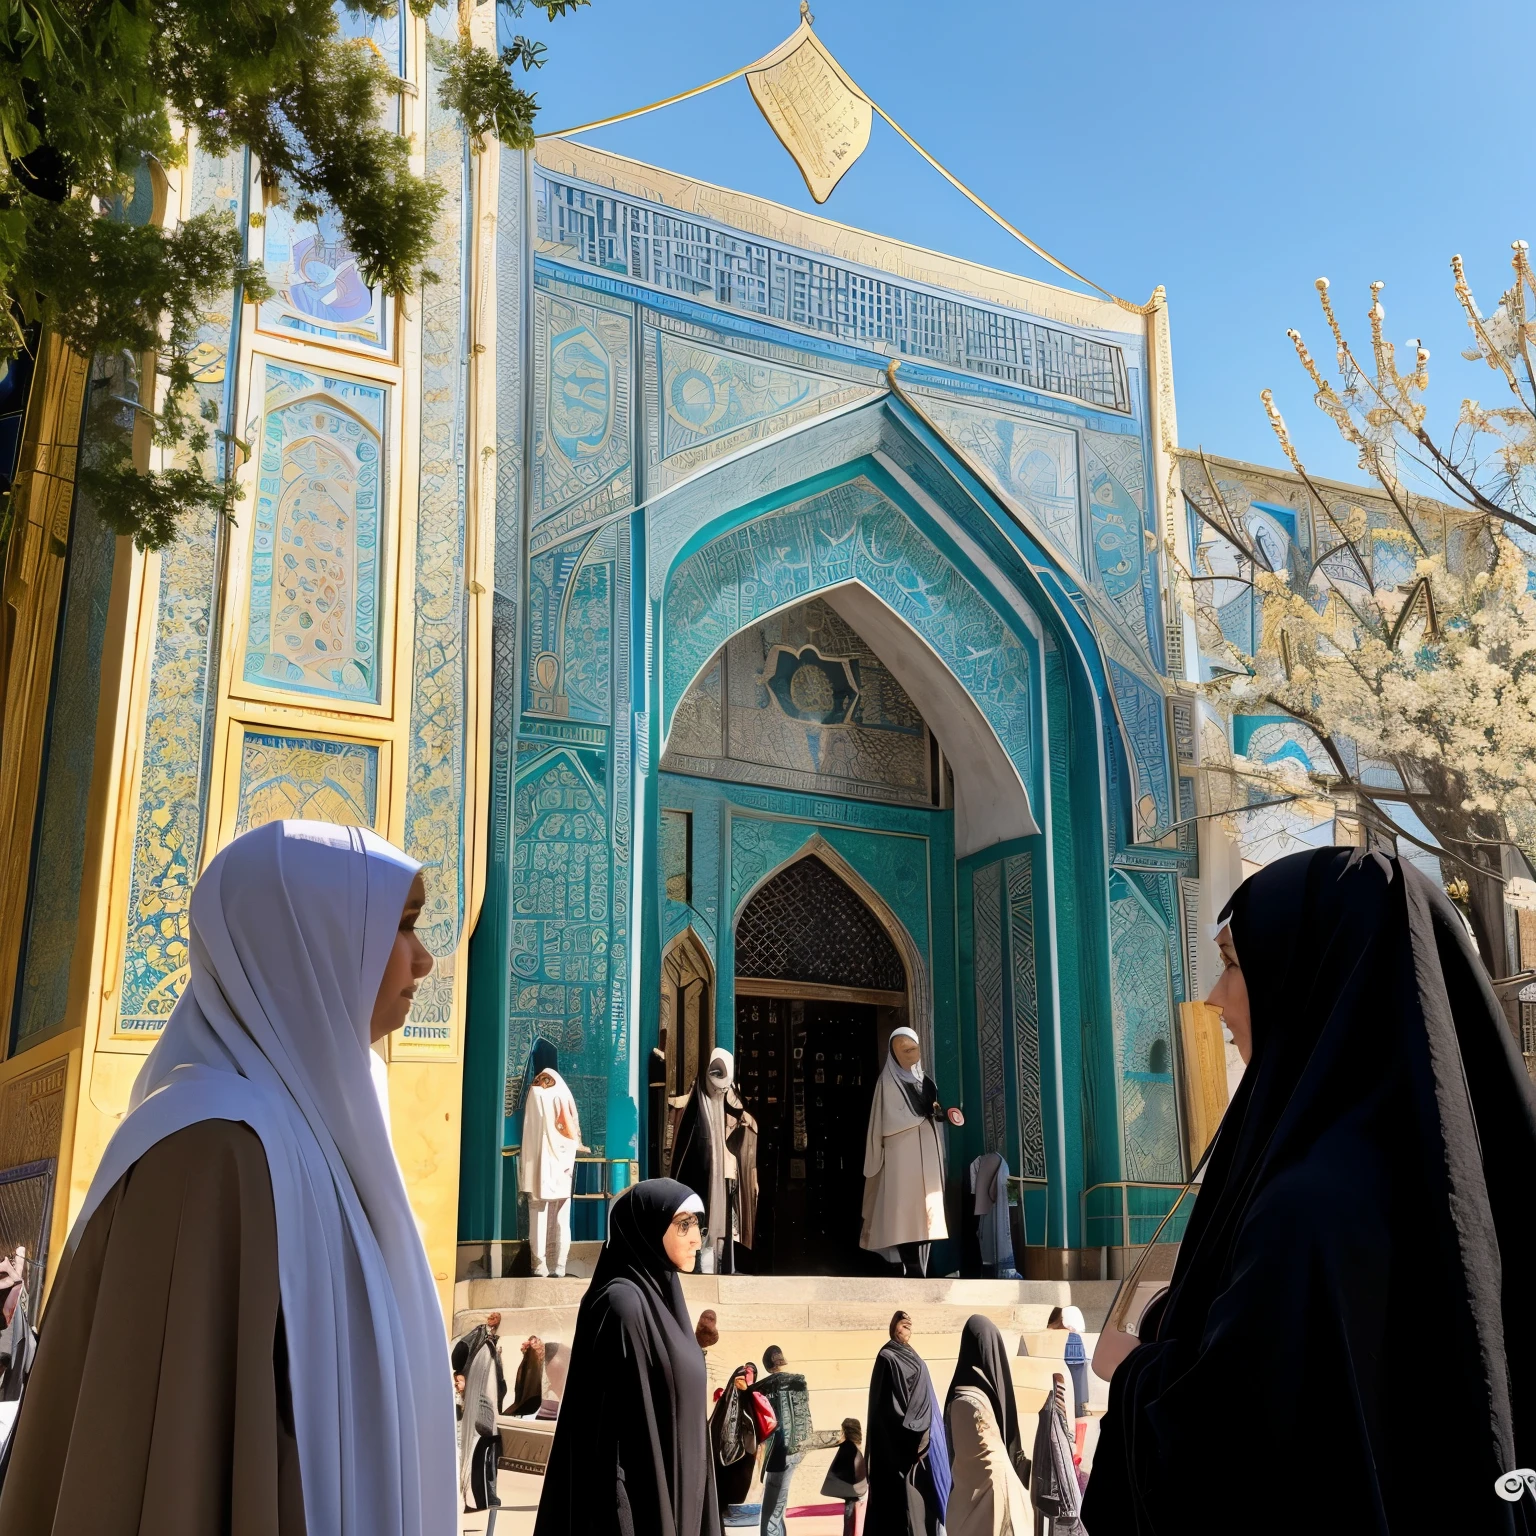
(1406, 637)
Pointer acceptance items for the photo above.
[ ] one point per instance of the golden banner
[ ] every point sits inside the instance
(820, 116)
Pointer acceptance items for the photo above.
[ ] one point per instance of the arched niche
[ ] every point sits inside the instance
(918, 985)
(964, 667)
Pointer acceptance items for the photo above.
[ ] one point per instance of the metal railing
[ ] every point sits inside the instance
(1136, 1227)
(613, 1177)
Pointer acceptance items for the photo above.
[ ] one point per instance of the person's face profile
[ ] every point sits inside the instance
(409, 961)
(906, 1051)
(1230, 996)
(681, 1240)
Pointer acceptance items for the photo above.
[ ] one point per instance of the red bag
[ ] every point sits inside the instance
(767, 1419)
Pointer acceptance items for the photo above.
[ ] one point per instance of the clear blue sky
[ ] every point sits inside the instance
(1230, 150)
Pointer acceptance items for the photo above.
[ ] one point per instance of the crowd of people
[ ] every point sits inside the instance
(244, 1334)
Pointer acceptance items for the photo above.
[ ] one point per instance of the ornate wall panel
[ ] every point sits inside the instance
(435, 808)
(562, 924)
(1031, 464)
(1116, 494)
(800, 701)
(1143, 1037)
(582, 391)
(704, 401)
(849, 532)
(1140, 707)
(1018, 883)
(173, 750)
(570, 628)
(283, 776)
(988, 964)
(760, 276)
(1008, 1010)
(896, 867)
(807, 925)
(316, 563)
(318, 293)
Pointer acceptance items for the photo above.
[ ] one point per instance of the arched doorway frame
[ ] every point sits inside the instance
(919, 984)
(684, 962)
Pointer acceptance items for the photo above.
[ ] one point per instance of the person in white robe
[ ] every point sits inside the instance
(904, 1160)
(547, 1167)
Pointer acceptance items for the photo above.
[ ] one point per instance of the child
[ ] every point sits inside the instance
(848, 1478)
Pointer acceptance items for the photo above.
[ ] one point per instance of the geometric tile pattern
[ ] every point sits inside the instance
(1018, 877)
(987, 917)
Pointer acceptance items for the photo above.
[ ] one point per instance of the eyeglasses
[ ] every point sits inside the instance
(686, 1221)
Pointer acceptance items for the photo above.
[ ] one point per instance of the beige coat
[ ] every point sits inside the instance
(987, 1499)
(903, 1172)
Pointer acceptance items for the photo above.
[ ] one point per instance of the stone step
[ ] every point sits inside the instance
(799, 1303)
(476, 1295)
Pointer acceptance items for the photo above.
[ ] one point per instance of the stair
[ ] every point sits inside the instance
(830, 1330)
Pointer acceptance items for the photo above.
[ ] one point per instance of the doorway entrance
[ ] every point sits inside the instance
(819, 987)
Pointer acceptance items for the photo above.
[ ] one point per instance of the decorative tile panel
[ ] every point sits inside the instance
(316, 566)
(435, 782)
(318, 293)
(1142, 1000)
(895, 866)
(704, 401)
(168, 819)
(1018, 879)
(986, 906)
(562, 922)
(1031, 464)
(690, 255)
(1116, 490)
(300, 778)
(582, 385)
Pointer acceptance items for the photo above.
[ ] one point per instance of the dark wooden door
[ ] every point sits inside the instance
(806, 1072)
(839, 1084)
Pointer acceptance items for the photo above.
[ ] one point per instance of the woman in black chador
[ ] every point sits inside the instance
(1348, 1342)
(908, 1455)
(631, 1452)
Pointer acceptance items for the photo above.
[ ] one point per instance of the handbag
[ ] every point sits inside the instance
(767, 1419)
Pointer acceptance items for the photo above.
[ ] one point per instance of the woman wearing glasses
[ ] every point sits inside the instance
(631, 1452)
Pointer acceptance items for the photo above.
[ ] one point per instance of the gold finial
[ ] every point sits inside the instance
(805, 13)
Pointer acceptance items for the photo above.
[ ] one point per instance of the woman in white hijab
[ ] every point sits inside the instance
(244, 1334)
(546, 1168)
(716, 1154)
(904, 1160)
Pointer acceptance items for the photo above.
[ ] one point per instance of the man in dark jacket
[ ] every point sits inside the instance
(787, 1445)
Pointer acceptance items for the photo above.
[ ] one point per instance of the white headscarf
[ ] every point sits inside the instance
(895, 1068)
(715, 1083)
(548, 1160)
(292, 926)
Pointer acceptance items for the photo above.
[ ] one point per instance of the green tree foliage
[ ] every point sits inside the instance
(90, 89)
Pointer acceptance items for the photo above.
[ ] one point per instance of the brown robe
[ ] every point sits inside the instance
(159, 1398)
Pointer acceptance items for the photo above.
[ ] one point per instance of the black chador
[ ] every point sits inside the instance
(631, 1455)
(906, 1450)
(1348, 1343)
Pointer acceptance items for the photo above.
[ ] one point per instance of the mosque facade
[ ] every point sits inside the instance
(759, 629)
